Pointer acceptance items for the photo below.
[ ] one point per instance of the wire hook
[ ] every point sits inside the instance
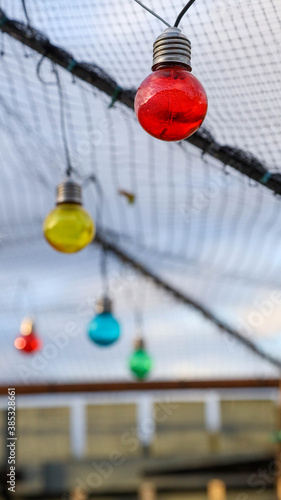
(38, 71)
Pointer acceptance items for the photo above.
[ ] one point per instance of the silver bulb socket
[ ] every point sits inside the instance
(173, 47)
(104, 305)
(69, 191)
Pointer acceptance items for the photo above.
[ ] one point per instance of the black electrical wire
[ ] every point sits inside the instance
(104, 273)
(62, 121)
(181, 14)
(26, 13)
(100, 207)
(179, 18)
(153, 13)
(69, 168)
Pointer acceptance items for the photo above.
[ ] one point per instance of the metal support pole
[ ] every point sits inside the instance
(213, 420)
(78, 426)
(145, 422)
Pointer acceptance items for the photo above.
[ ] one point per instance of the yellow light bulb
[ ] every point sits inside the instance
(69, 228)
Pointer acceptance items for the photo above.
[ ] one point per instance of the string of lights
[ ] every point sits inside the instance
(162, 201)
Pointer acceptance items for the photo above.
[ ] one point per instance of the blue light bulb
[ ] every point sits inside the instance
(104, 329)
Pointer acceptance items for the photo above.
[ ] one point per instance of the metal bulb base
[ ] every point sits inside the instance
(139, 344)
(69, 191)
(172, 47)
(104, 305)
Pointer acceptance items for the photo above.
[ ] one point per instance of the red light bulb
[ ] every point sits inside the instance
(28, 344)
(28, 341)
(171, 103)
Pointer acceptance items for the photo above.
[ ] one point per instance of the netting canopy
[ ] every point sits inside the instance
(201, 225)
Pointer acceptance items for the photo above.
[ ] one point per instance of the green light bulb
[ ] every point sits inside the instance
(140, 362)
